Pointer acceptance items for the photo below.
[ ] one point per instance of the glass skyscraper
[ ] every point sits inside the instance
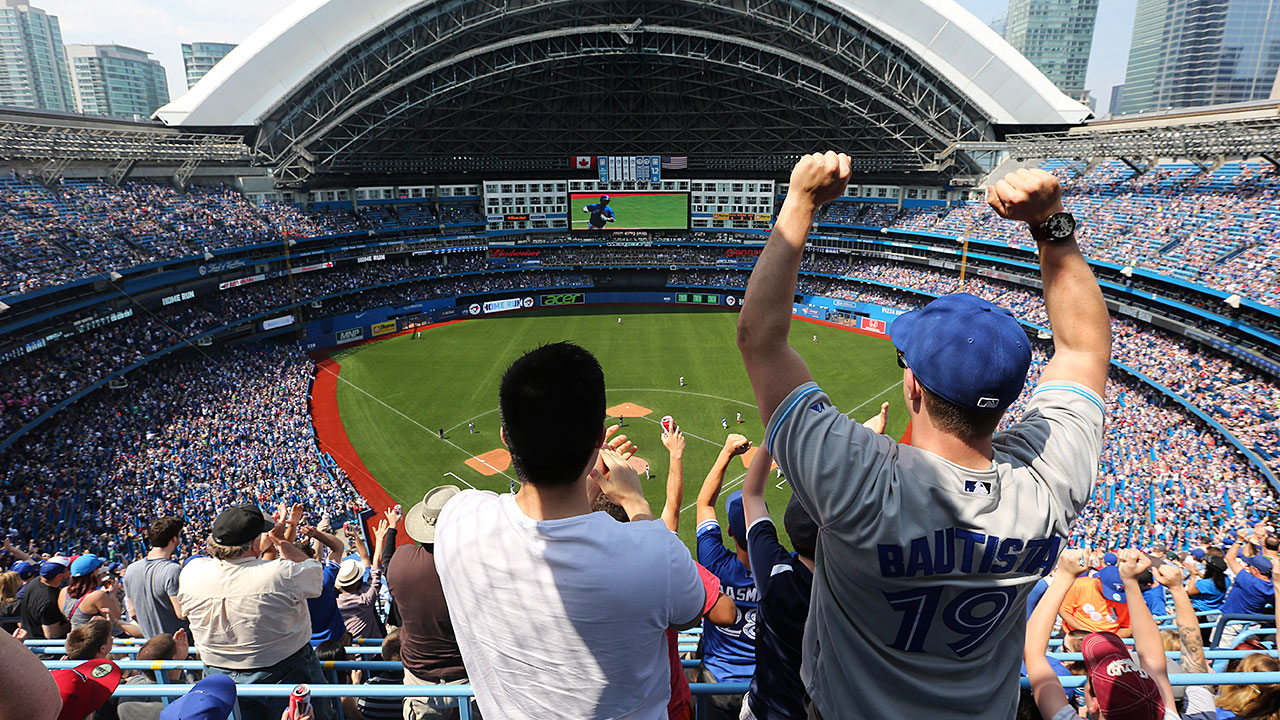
(33, 66)
(199, 57)
(116, 80)
(1192, 53)
(1056, 36)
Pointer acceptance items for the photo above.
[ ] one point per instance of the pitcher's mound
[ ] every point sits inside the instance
(490, 463)
(628, 410)
(750, 455)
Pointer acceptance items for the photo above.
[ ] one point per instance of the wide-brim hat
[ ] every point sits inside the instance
(420, 522)
(349, 573)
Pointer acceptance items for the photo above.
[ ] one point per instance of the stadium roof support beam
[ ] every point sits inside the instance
(35, 142)
(1205, 142)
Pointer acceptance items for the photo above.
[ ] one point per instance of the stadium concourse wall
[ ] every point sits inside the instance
(376, 323)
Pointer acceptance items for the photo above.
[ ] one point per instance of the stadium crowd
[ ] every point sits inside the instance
(101, 500)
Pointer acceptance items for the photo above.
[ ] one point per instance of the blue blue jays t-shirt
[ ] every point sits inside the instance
(728, 652)
(1208, 597)
(1249, 594)
(777, 692)
(1037, 592)
(326, 620)
(1155, 600)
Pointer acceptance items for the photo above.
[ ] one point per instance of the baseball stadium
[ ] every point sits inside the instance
(301, 293)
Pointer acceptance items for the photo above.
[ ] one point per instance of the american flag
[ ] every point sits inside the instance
(675, 162)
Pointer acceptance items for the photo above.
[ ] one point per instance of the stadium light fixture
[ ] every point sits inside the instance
(114, 276)
(208, 255)
(3, 307)
(1127, 271)
(1233, 301)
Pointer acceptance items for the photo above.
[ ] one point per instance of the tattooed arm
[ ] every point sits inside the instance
(1188, 624)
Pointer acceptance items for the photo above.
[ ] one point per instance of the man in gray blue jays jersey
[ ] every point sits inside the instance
(927, 553)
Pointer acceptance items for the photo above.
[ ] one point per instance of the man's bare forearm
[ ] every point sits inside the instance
(765, 319)
(1073, 300)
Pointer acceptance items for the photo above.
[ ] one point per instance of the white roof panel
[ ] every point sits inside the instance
(304, 37)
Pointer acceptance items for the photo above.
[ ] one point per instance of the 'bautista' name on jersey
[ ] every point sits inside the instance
(967, 551)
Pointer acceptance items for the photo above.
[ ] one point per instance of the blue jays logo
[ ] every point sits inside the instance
(818, 406)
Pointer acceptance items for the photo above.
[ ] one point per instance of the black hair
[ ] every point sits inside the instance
(552, 402)
(961, 422)
(1215, 569)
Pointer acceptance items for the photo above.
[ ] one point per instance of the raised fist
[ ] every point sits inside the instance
(820, 178)
(1030, 195)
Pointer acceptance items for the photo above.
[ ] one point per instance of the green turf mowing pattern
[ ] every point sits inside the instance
(394, 395)
(664, 211)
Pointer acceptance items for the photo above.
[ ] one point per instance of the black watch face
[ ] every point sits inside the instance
(1060, 225)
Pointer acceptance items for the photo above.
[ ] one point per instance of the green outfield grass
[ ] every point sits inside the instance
(643, 212)
(399, 392)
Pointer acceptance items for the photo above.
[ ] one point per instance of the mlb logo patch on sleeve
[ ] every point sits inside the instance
(977, 487)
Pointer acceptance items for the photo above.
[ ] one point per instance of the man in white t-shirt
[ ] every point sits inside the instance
(561, 612)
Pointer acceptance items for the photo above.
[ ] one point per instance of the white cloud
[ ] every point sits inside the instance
(160, 26)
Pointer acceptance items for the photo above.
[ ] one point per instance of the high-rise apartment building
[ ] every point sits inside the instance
(33, 67)
(116, 80)
(199, 57)
(1056, 36)
(1193, 53)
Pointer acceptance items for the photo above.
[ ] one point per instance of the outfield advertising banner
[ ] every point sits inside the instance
(593, 212)
(494, 306)
(382, 328)
(350, 335)
(563, 299)
(872, 325)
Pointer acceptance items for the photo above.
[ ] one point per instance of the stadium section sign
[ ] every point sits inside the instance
(273, 323)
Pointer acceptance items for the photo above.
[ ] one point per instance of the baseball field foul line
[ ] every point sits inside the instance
(464, 482)
(415, 422)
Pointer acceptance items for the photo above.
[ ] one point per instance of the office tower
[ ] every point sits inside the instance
(1056, 36)
(199, 57)
(33, 67)
(1194, 53)
(116, 80)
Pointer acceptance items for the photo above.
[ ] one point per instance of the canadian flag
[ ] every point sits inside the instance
(584, 162)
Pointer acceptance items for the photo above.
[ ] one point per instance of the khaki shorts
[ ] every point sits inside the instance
(433, 708)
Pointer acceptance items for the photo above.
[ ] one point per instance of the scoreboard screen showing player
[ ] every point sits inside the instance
(596, 212)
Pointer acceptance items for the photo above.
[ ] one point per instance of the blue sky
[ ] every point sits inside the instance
(161, 26)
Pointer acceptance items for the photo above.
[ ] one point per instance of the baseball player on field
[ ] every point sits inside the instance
(927, 552)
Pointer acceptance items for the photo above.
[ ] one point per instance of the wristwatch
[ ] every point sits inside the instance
(1059, 226)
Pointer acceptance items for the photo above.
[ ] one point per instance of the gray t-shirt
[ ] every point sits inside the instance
(923, 566)
(148, 585)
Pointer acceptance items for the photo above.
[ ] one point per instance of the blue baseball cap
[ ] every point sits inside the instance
(86, 564)
(965, 350)
(1197, 553)
(210, 699)
(1262, 564)
(1112, 585)
(50, 569)
(737, 518)
(1110, 559)
(25, 570)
